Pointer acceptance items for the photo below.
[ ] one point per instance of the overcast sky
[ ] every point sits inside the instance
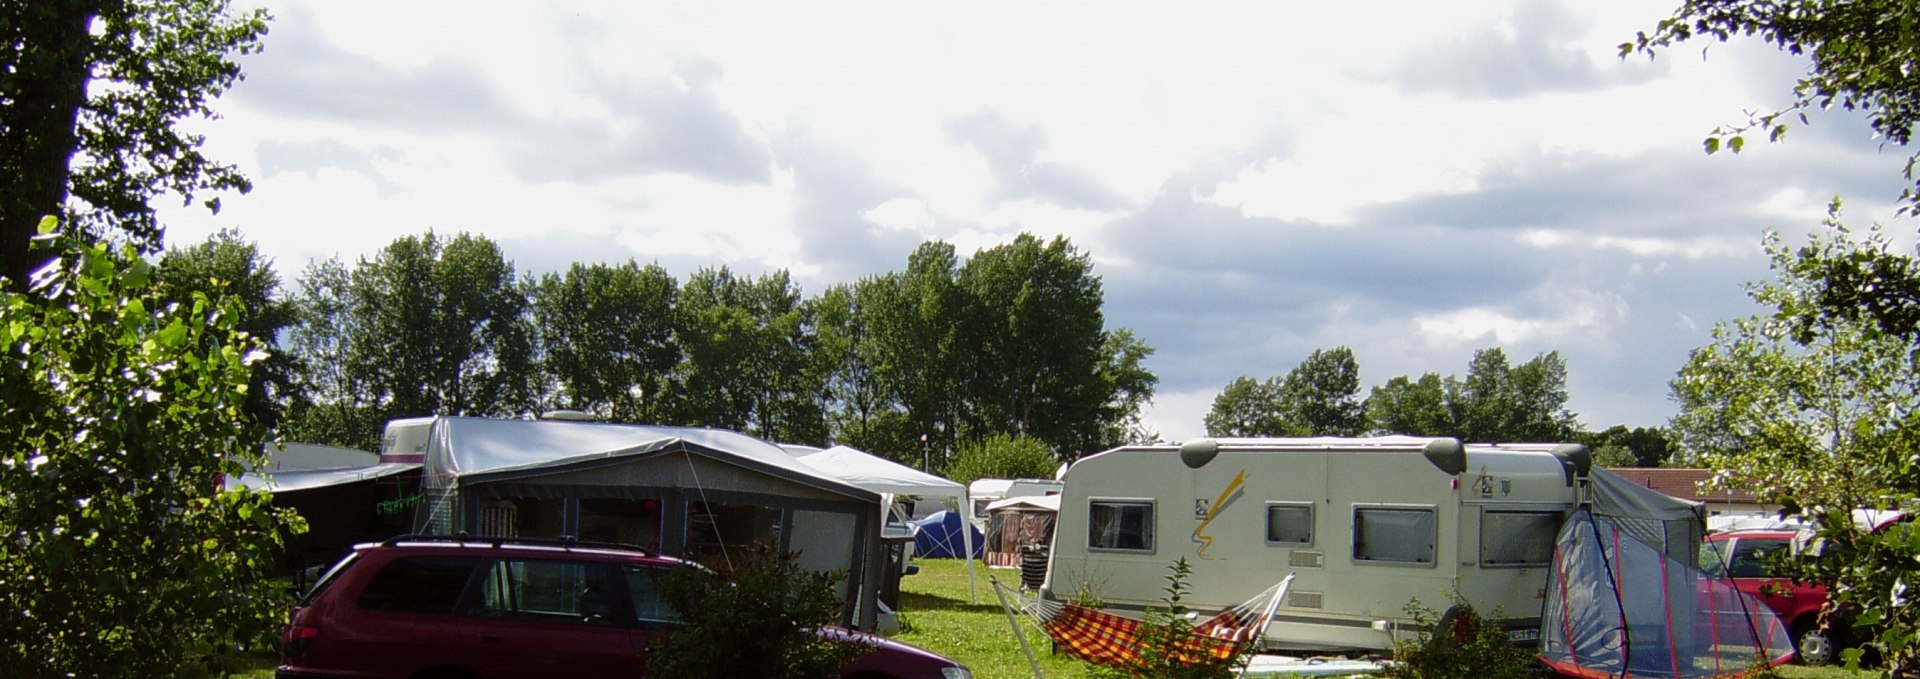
(1253, 180)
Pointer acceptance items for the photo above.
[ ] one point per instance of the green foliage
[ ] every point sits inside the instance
(607, 335)
(1412, 407)
(1460, 643)
(1619, 446)
(1862, 52)
(429, 326)
(123, 408)
(1319, 397)
(92, 93)
(1497, 401)
(223, 266)
(746, 350)
(1816, 411)
(1002, 457)
(1165, 639)
(756, 619)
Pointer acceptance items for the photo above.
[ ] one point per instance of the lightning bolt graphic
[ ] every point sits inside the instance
(1199, 532)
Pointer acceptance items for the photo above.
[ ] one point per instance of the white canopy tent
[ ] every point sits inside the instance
(888, 478)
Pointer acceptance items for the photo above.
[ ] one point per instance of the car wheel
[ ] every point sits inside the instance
(1813, 646)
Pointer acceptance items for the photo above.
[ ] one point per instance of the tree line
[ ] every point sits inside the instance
(1495, 402)
(912, 364)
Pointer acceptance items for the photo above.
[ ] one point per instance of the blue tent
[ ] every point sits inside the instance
(938, 536)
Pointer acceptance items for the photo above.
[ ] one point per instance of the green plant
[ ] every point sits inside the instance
(1459, 643)
(758, 618)
(1166, 641)
(119, 551)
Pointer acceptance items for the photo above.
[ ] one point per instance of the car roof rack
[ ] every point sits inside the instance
(564, 541)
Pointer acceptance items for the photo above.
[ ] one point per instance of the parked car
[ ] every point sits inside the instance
(416, 607)
(1747, 559)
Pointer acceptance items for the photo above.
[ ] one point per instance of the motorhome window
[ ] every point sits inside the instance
(1290, 524)
(1517, 539)
(1394, 535)
(1120, 525)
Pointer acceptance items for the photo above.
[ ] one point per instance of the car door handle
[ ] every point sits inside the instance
(491, 639)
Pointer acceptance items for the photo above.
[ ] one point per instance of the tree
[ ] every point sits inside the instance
(329, 404)
(1002, 456)
(1033, 338)
(745, 362)
(440, 327)
(1321, 395)
(911, 332)
(122, 408)
(1818, 413)
(226, 266)
(89, 101)
(607, 334)
(1636, 447)
(1862, 52)
(1412, 408)
(1501, 402)
(1248, 407)
(1131, 385)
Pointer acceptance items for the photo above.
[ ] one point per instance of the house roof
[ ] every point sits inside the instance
(1682, 483)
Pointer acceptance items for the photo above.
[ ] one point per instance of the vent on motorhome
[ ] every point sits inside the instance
(1303, 600)
(1304, 559)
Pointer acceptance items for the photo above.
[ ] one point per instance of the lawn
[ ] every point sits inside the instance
(938, 613)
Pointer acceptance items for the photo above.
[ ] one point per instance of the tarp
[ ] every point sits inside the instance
(476, 450)
(1625, 598)
(876, 473)
(940, 537)
(307, 479)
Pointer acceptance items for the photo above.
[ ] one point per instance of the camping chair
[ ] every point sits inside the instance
(1107, 639)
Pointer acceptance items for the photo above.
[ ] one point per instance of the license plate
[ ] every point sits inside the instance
(1523, 635)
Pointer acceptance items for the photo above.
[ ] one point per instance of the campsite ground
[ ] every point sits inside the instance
(939, 614)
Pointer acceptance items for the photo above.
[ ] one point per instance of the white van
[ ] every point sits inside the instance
(1368, 524)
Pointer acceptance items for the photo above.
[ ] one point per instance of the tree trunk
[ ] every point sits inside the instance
(51, 46)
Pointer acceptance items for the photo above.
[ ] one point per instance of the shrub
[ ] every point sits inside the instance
(1460, 643)
(758, 618)
(1002, 457)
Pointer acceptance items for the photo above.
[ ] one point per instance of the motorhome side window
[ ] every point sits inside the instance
(1120, 525)
(1290, 524)
(1517, 539)
(1394, 535)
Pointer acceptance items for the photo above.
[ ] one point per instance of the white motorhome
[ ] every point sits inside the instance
(1368, 524)
(985, 491)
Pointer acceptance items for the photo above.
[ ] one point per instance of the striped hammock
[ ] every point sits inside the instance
(1107, 639)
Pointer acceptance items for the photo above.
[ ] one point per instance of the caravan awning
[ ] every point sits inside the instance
(876, 473)
(308, 479)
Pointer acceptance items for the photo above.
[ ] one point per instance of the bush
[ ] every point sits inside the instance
(1002, 457)
(758, 618)
(1460, 643)
(121, 409)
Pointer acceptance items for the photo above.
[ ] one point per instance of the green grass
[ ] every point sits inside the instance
(938, 614)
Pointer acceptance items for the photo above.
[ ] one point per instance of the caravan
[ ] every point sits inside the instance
(1368, 525)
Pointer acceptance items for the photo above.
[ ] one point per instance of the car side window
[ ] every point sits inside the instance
(547, 591)
(1751, 558)
(643, 582)
(430, 584)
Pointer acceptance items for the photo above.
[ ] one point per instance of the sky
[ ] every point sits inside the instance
(1252, 180)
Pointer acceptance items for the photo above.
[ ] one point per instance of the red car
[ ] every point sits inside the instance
(440, 608)
(1744, 558)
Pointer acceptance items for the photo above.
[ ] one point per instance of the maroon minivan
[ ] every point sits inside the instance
(417, 607)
